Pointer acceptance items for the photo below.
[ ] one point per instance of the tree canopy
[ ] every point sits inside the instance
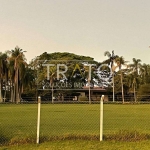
(20, 78)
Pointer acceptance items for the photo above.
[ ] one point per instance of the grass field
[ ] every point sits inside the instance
(73, 122)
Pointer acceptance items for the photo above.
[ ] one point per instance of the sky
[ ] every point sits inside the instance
(82, 27)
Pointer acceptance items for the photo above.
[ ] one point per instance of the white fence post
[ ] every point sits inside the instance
(101, 118)
(38, 119)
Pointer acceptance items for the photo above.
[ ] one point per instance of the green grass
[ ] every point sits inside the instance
(81, 145)
(67, 122)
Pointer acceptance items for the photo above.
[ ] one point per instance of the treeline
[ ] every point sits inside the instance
(18, 78)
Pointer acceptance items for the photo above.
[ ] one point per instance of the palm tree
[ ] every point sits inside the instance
(17, 62)
(145, 73)
(135, 67)
(120, 63)
(110, 61)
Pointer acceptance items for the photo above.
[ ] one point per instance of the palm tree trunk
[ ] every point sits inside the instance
(89, 91)
(17, 87)
(5, 92)
(52, 94)
(89, 94)
(134, 94)
(12, 95)
(1, 97)
(52, 84)
(113, 88)
(122, 89)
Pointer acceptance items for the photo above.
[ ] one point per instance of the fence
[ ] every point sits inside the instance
(84, 98)
(76, 120)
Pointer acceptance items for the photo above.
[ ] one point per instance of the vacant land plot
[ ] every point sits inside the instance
(73, 121)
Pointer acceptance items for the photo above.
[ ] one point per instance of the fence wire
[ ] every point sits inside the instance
(73, 120)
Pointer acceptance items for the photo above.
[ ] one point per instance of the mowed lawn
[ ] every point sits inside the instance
(63, 120)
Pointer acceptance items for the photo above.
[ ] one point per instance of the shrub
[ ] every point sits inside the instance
(83, 98)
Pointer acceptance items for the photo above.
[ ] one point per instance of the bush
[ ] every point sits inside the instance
(83, 98)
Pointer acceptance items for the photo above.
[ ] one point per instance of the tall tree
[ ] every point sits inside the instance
(3, 73)
(110, 61)
(121, 63)
(145, 73)
(17, 62)
(135, 67)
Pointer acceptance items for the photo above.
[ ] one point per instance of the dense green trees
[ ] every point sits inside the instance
(17, 77)
(13, 74)
(18, 68)
(132, 77)
(3, 74)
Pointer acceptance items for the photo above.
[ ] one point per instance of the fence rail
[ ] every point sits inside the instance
(84, 99)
